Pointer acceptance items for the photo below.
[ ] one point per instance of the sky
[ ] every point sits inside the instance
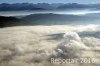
(50, 1)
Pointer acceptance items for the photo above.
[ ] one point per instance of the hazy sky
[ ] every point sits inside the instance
(50, 1)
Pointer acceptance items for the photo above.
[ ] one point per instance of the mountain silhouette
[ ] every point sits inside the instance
(46, 6)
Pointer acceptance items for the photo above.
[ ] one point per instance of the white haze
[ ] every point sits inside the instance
(27, 12)
(35, 45)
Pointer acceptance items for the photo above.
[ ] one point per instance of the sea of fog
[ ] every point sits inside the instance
(36, 45)
(28, 12)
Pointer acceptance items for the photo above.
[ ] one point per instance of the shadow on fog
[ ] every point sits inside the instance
(95, 34)
(60, 36)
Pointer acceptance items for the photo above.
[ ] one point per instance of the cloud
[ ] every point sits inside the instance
(29, 45)
(70, 46)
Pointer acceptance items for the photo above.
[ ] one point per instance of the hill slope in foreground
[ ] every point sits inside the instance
(36, 45)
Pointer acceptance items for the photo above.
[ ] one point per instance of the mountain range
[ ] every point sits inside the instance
(48, 19)
(46, 6)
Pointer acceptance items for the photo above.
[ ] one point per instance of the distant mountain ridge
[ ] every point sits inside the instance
(48, 19)
(79, 6)
(46, 6)
(60, 19)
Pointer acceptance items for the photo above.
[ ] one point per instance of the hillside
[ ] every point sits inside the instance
(11, 21)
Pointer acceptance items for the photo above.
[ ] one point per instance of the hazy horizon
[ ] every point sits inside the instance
(51, 1)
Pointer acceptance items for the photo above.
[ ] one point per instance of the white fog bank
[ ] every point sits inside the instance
(35, 45)
(66, 12)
